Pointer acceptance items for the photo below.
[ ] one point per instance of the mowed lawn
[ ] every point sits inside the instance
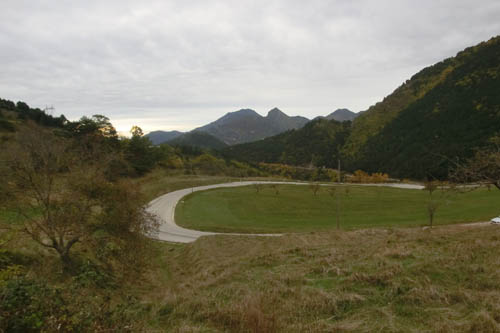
(296, 208)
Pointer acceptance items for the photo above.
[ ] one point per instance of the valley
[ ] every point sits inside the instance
(89, 241)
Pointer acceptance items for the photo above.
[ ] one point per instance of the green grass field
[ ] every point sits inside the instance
(296, 208)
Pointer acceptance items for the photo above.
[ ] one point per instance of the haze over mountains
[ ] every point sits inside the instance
(243, 126)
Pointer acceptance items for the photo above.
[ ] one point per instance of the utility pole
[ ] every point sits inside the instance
(49, 110)
(338, 196)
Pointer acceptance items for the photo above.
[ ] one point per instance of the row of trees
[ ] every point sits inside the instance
(24, 111)
(360, 176)
(299, 173)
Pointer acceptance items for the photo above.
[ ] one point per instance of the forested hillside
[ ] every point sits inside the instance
(11, 113)
(444, 112)
(159, 137)
(318, 143)
(197, 139)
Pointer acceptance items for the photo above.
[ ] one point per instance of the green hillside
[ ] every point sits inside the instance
(444, 112)
(198, 139)
(317, 143)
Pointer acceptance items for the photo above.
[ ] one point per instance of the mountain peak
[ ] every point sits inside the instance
(342, 115)
(276, 113)
(246, 125)
(243, 112)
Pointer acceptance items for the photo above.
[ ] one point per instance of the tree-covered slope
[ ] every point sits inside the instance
(198, 139)
(318, 142)
(159, 137)
(371, 122)
(12, 113)
(444, 112)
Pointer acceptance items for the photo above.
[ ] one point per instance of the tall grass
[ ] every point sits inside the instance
(390, 280)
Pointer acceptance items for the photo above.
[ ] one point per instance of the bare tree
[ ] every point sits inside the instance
(62, 193)
(315, 187)
(336, 192)
(439, 193)
(275, 187)
(432, 203)
(483, 168)
(257, 187)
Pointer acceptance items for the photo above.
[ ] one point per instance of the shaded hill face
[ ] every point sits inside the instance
(317, 143)
(198, 139)
(247, 125)
(443, 112)
(159, 137)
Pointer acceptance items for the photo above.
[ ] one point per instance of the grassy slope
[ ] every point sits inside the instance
(445, 280)
(297, 209)
(416, 280)
(161, 181)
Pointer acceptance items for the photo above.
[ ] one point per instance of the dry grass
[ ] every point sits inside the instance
(386, 280)
(413, 280)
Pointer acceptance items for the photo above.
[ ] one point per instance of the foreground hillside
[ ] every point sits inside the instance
(444, 280)
(392, 280)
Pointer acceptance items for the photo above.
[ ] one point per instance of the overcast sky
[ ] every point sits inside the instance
(181, 64)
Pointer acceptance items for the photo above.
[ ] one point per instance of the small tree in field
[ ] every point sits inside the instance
(432, 203)
(257, 187)
(335, 192)
(65, 197)
(275, 187)
(439, 193)
(315, 187)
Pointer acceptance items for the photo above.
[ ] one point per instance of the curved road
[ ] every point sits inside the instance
(164, 208)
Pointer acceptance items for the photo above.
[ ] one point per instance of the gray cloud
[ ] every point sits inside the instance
(180, 64)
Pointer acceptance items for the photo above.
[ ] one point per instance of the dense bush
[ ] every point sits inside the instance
(29, 305)
(360, 176)
(299, 173)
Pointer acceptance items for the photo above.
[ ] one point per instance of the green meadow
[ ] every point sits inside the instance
(297, 209)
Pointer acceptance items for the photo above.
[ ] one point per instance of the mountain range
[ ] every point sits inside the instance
(443, 113)
(242, 126)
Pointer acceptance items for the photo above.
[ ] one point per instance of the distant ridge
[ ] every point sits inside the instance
(246, 125)
(159, 137)
(198, 139)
